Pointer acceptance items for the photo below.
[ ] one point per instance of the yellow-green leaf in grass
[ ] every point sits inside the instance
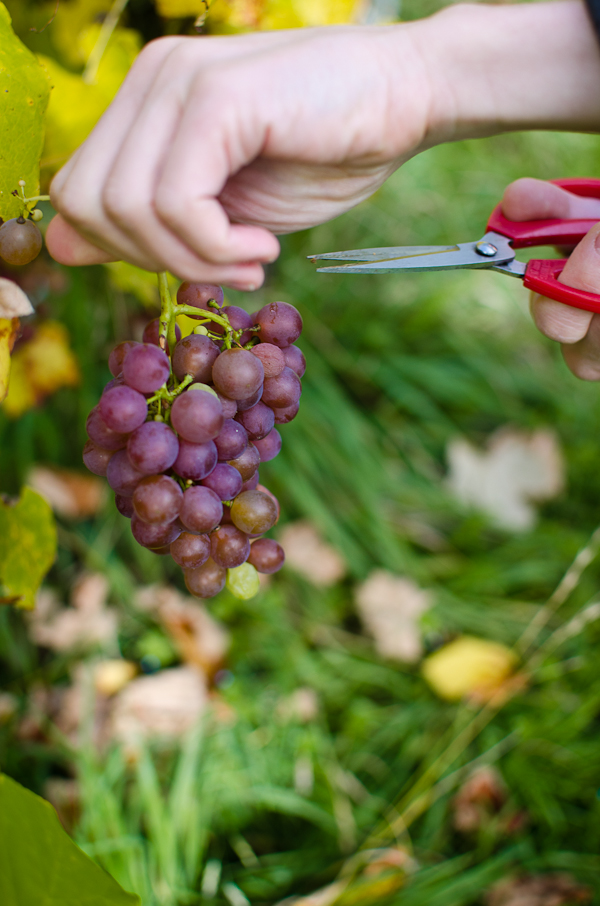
(39, 863)
(27, 551)
(24, 91)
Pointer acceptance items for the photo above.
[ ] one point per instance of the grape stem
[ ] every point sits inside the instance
(167, 336)
(163, 393)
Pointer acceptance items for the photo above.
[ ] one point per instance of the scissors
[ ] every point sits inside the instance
(494, 251)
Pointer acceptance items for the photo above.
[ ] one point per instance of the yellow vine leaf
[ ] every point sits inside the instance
(468, 666)
(8, 333)
(24, 92)
(27, 547)
(256, 15)
(76, 106)
(72, 19)
(40, 367)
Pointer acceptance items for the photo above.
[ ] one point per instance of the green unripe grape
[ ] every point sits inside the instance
(243, 581)
(36, 215)
(20, 241)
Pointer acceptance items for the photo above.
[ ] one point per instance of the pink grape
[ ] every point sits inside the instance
(195, 355)
(195, 461)
(237, 373)
(280, 324)
(230, 407)
(190, 551)
(153, 448)
(157, 498)
(121, 475)
(206, 581)
(247, 462)
(95, 458)
(229, 547)
(224, 480)
(283, 390)
(199, 295)
(253, 512)
(251, 401)
(117, 356)
(231, 440)
(152, 333)
(123, 409)
(201, 510)
(269, 446)
(251, 484)
(103, 436)
(261, 487)
(286, 415)
(257, 421)
(197, 416)
(294, 359)
(154, 536)
(266, 555)
(146, 368)
(240, 320)
(272, 358)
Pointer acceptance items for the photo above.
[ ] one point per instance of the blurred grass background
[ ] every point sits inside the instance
(398, 366)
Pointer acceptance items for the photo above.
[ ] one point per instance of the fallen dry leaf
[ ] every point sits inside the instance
(390, 607)
(13, 301)
(9, 328)
(301, 705)
(87, 623)
(166, 704)
(481, 795)
(41, 365)
(71, 494)
(112, 675)
(309, 555)
(539, 890)
(515, 469)
(469, 666)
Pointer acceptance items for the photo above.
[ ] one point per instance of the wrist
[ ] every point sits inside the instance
(501, 68)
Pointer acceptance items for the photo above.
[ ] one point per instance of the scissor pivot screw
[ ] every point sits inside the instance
(486, 249)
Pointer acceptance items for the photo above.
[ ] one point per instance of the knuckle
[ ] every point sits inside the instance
(121, 206)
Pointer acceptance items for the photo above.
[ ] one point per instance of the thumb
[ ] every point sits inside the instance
(67, 246)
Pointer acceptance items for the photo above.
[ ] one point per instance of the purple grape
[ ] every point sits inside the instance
(195, 355)
(251, 401)
(272, 358)
(283, 416)
(283, 390)
(261, 487)
(231, 440)
(247, 462)
(117, 356)
(224, 480)
(152, 333)
(237, 373)
(199, 295)
(201, 510)
(240, 320)
(206, 581)
(123, 409)
(195, 461)
(266, 555)
(154, 536)
(95, 458)
(121, 475)
(257, 421)
(103, 436)
(124, 505)
(146, 368)
(157, 499)
(197, 416)
(251, 484)
(116, 382)
(229, 547)
(294, 359)
(280, 324)
(190, 551)
(153, 448)
(230, 407)
(269, 446)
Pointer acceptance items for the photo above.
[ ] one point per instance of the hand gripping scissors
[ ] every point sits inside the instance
(495, 251)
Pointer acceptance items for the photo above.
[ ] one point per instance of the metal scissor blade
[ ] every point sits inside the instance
(456, 256)
(383, 254)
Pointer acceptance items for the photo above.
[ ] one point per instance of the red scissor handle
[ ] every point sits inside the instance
(541, 276)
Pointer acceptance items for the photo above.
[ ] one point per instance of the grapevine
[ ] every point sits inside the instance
(182, 428)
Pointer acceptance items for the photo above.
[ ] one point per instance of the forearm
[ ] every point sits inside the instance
(512, 67)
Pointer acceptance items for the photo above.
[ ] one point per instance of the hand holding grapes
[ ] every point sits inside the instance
(215, 144)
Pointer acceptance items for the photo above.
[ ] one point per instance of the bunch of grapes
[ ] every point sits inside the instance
(182, 428)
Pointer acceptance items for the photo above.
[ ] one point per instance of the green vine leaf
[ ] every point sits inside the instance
(24, 93)
(39, 863)
(27, 549)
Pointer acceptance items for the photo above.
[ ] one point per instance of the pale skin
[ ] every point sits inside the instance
(215, 145)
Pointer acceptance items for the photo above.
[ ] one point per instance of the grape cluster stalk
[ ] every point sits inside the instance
(182, 428)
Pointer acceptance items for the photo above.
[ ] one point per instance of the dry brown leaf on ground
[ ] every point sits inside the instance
(41, 365)
(71, 494)
(13, 301)
(539, 890)
(89, 622)
(200, 640)
(482, 794)
(515, 469)
(166, 705)
(390, 607)
(308, 554)
(301, 705)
